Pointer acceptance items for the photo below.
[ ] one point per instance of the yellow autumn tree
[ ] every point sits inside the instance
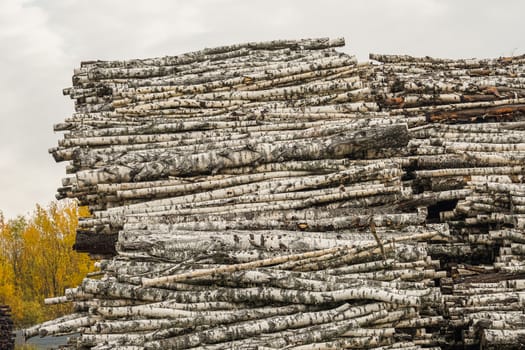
(37, 261)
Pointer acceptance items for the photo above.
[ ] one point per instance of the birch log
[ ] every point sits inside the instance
(280, 194)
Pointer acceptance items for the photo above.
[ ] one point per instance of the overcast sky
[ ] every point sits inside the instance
(42, 41)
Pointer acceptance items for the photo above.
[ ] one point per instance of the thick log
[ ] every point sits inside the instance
(503, 339)
(270, 262)
(347, 145)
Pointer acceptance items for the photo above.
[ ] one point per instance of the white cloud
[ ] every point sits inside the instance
(120, 28)
(30, 63)
(25, 35)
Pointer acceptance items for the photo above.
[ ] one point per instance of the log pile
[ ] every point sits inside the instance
(467, 163)
(281, 195)
(7, 336)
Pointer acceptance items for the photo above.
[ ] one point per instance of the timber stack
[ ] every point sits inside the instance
(282, 195)
(7, 336)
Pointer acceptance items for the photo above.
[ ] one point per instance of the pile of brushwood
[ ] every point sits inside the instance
(280, 194)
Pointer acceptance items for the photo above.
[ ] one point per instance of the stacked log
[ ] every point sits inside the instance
(7, 336)
(467, 164)
(280, 194)
(358, 298)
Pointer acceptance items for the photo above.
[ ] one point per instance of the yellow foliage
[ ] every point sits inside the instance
(37, 261)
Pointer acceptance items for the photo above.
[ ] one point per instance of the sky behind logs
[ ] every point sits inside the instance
(42, 41)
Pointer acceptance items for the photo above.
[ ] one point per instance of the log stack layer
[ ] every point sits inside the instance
(7, 336)
(281, 195)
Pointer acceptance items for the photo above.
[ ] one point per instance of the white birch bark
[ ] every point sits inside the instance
(35, 330)
(67, 327)
(262, 186)
(336, 147)
(221, 334)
